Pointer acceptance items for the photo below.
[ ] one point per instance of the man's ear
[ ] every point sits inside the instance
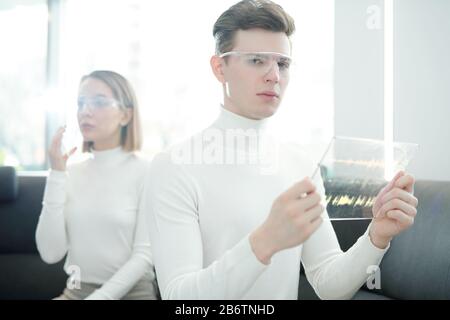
(217, 68)
(127, 115)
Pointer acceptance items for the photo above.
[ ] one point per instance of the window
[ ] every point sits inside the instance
(165, 52)
(23, 30)
(164, 49)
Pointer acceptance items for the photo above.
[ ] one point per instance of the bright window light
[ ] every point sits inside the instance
(389, 87)
(164, 49)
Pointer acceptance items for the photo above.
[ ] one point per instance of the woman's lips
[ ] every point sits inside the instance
(86, 126)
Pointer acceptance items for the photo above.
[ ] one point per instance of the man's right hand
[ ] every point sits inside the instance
(58, 160)
(294, 217)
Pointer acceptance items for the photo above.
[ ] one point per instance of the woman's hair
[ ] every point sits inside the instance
(131, 134)
(249, 14)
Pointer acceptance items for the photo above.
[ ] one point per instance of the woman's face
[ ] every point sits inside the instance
(100, 117)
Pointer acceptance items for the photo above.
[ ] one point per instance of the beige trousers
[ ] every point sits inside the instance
(143, 290)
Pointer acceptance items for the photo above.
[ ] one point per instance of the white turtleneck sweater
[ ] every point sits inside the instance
(203, 207)
(92, 213)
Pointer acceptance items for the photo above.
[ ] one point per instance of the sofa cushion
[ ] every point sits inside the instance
(26, 276)
(417, 265)
(19, 218)
(8, 184)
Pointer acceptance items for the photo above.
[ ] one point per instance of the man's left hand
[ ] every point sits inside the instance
(394, 210)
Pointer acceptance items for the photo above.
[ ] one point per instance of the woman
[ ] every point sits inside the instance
(91, 209)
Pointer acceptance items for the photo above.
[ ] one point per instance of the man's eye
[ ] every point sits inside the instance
(284, 65)
(257, 61)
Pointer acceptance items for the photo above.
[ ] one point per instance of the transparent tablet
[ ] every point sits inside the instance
(355, 170)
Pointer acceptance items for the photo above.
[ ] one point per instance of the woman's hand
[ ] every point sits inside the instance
(58, 160)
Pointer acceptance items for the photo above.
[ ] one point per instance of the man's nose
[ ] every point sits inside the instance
(273, 74)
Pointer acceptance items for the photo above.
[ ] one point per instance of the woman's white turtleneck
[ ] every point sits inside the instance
(203, 207)
(92, 213)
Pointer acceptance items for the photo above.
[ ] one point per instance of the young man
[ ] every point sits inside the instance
(223, 229)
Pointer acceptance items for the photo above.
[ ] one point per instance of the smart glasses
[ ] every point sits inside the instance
(96, 103)
(263, 62)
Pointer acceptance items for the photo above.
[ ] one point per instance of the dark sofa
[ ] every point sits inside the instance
(23, 275)
(417, 266)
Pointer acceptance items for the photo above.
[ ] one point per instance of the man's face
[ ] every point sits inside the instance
(251, 91)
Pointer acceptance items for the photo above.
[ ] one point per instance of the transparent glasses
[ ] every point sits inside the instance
(262, 62)
(96, 103)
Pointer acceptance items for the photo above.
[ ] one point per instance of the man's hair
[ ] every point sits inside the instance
(131, 134)
(249, 14)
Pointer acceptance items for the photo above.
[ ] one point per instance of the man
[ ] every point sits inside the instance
(223, 229)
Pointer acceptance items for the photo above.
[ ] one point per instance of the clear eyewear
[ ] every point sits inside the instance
(96, 103)
(262, 61)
